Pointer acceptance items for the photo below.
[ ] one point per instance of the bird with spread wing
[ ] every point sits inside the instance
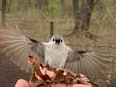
(18, 47)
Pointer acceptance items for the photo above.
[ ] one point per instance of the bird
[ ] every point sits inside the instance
(18, 46)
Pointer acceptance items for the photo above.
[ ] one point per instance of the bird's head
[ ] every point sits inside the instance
(57, 40)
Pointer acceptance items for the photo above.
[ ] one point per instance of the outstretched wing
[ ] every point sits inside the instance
(88, 63)
(18, 47)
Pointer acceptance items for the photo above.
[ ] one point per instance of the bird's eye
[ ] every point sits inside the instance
(53, 39)
(61, 40)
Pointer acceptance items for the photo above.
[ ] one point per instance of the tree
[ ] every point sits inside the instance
(62, 8)
(41, 4)
(3, 11)
(82, 16)
(76, 13)
(9, 4)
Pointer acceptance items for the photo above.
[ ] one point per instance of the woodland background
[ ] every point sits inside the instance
(84, 24)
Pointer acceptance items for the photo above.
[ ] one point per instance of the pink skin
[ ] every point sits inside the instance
(23, 83)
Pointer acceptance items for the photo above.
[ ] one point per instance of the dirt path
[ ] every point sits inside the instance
(10, 73)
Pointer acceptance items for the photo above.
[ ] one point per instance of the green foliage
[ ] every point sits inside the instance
(53, 8)
(27, 7)
(22, 7)
(104, 13)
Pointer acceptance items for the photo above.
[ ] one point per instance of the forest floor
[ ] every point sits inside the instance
(10, 73)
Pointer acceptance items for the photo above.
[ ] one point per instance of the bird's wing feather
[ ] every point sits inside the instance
(88, 63)
(18, 47)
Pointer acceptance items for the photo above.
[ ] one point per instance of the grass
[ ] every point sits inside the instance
(39, 29)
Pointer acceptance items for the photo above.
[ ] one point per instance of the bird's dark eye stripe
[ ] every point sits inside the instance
(53, 39)
(61, 40)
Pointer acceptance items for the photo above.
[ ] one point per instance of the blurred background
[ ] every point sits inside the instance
(84, 24)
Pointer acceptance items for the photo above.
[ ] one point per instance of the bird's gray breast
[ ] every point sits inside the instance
(56, 55)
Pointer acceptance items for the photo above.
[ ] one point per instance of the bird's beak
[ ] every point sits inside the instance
(57, 41)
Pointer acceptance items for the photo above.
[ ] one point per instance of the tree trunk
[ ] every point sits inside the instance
(3, 12)
(63, 8)
(9, 4)
(41, 4)
(82, 19)
(75, 13)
